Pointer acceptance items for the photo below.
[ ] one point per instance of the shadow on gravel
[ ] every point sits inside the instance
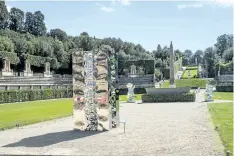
(52, 138)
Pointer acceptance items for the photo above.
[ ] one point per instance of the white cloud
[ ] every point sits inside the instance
(8, 8)
(225, 3)
(123, 2)
(185, 6)
(104, 8)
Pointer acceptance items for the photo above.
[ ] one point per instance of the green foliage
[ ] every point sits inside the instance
(193, 83)
(157, 73)
(11, 56)
(189, 97)
(224, 68)
(228, 54)
(224, 88)
(59, 34)
(16, 20)
(209, 61)
(20, 45)
(3, 14)
(31, 95)
(224, 42)
(6, 44)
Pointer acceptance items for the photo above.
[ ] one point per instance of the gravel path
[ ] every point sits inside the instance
(168, 129)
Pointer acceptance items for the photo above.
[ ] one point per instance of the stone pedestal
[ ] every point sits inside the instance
(172, 86)
(47, 70)
(6, 71)
(27, 69)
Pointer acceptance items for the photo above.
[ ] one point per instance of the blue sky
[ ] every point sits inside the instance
(189, 25)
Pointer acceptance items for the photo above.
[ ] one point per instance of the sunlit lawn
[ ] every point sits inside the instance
(125, 98)
(222, 117)
(33, 111)
(193, 72)
(223, 95)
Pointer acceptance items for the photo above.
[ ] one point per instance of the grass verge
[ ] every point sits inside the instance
(33, 111)
(222, 118)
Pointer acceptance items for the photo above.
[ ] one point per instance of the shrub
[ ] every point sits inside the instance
(193, 83)
(189, 97)
(224, 87)
(124, 91)
(32, 95)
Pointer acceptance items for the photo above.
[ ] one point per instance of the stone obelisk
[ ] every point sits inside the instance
(172, 72)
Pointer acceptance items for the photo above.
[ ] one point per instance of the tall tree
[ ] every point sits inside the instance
(16, 21)
(59, 34)
(187, 57)
(29, 23)
(39, 28)
(228, 54)
(3, 14)
(209, 57)
(223, 43)
(158, 53)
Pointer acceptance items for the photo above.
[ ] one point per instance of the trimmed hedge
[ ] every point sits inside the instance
(192, 83)
(189, 97)
(14, 59)
(32, 95)
(228, 87)
(124, 91)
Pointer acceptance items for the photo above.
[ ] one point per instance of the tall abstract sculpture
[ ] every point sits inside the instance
(94, 90)
(172, 74)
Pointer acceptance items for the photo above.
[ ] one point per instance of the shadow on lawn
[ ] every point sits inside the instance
(52, 138)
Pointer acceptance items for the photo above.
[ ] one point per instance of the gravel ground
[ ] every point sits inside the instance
(163, 129)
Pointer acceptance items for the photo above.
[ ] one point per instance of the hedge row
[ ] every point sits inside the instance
(31, 95)
(11, 56)
(189, 97)
(124, 91)
(224, 88)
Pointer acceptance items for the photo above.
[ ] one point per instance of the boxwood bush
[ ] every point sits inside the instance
(12, 96)
(189, 97)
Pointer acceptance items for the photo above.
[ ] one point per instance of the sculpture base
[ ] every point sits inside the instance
(28, 74)
(6, 73)
(172, 86)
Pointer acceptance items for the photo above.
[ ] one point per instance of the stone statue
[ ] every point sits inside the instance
(131, 94)
(209, 93)
(133, 69)
(189, 74)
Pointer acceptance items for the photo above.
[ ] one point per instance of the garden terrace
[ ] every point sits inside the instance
(12, 83)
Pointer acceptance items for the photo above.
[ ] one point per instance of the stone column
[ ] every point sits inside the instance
(172, 71)
(92, 109)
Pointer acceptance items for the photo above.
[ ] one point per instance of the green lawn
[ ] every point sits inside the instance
(193, 72)
(222, 117)
(223, 95)
(33, 111)
(187, 83)
(124, 97)
(165, 84)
